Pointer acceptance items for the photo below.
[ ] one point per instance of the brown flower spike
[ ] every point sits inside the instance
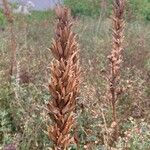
(64, 86)
(116, 56)
(13, 43)
(7, 11)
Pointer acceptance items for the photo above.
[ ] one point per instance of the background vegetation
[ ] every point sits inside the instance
(137, 9)
(23, 115)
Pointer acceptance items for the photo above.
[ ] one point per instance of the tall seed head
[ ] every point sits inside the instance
(64, 86)
(115, 58)
(7, 11)
(117, 42)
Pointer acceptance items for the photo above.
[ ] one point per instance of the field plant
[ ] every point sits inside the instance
(64, 85)
(2, 20)
(84, 7)
(116, 59)
(137, 135)
(13, 44)
(139, 9)
(136, 9)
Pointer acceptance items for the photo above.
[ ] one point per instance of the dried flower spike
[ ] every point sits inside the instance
(7, 11)
(13, 43)
(64, 86)
(116, 56)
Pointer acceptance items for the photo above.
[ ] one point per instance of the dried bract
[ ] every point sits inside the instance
(13, 43)
(116, 55)
(64, 86)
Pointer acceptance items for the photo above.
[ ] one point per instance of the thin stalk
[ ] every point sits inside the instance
(13, 43)
(116, 59)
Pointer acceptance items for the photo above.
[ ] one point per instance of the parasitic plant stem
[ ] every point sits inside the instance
(13, 43)
(116, 58)
(64, 86)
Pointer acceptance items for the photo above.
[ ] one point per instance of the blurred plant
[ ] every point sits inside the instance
(135, 8)
(5, 128)
(2, 20)
(84, 7)
(136, 136)
(21, 118)
(10, 147)
(7, 11)
(148, 65)
(64, 85)
(139, 9)
(13, 44)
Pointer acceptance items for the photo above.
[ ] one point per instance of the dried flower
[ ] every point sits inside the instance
(116, 56)
(64, 86)
(7, 11)
(13, 43)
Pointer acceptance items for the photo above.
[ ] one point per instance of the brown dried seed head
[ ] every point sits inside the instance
(115, 57)
(64, 86)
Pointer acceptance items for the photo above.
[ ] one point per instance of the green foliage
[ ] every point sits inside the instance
(40, 15)
(140, 8)
(148, 65)
(84, 7)
(2, 19)
(137, 136)
(22, 117)
(5, 128)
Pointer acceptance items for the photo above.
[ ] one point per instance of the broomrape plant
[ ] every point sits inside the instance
(115, 58)
(64, 86)
(13, 43)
